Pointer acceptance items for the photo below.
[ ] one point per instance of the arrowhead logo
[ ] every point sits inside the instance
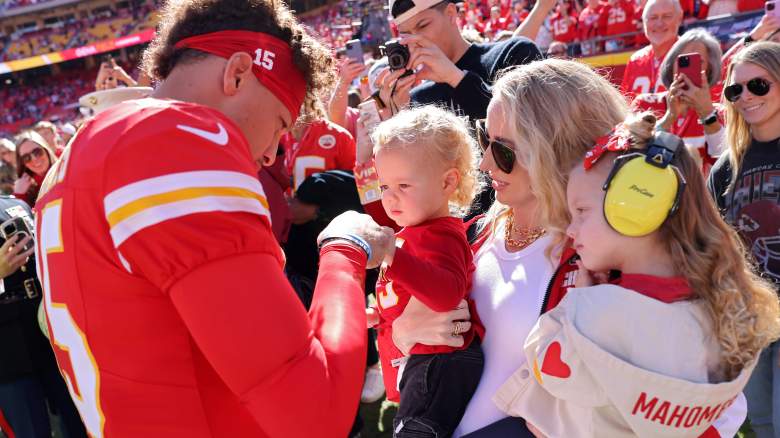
(220, 137)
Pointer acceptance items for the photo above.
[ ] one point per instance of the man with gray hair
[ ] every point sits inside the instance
(661, 20)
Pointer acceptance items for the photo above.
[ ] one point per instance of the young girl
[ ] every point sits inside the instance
(667, 347)
(425, 159)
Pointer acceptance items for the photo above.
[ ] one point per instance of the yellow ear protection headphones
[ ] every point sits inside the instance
(644, 188)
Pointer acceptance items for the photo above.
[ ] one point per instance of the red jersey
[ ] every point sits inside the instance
(618, 18)
(588, 26)
(564, 29)
(433, 263)
(642, 74)
(169, 312)
(324, 146)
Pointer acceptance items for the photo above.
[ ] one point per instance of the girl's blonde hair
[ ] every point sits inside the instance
(445, 137)
(743, 307)
(555, 110)
(767, 56)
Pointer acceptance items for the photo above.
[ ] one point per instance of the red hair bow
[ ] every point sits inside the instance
(617, 140)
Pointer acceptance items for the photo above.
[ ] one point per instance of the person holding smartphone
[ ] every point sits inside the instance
(691, 72)
(29, 378)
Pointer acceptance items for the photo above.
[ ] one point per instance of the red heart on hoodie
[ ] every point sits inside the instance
(553, 365)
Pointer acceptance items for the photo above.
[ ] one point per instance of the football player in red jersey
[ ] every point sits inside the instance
(166, 302)
(662, 20)
(315, 147)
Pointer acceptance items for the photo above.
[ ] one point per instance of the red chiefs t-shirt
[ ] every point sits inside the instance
(642, 74)
(564, 29)
(618, 18)
(588, 25)
(434, 263)
(323, 146)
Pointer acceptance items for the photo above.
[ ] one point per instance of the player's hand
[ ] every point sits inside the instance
(12, 254)
(420, 325)
(430, 63)
(22, 184)
(380, 239)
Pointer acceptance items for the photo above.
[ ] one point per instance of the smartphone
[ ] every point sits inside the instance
(370, 113)
(690, 65)
(354, 50)
(772, 8)
(14, 226)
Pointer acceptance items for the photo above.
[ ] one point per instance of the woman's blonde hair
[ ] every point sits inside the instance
(743, 307)
(445, 137)
(767, 56)
(555, 110)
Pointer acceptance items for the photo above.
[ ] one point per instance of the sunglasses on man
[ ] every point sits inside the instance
(33, 154)
(503, 155)
(756, 86)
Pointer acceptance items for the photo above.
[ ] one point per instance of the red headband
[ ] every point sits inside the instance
(273, 65)
(617, 140)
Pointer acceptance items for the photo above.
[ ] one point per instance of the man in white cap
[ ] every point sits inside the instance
(457, 74)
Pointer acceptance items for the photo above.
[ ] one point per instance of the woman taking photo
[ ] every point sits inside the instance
(34, 157)
(744, 187)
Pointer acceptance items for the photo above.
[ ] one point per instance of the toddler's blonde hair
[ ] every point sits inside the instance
(444, 136)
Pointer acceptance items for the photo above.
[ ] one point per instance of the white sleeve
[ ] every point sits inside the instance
(715, 143)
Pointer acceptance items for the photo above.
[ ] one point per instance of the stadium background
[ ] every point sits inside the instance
(50, 51)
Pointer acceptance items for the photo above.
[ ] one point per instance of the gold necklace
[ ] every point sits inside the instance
(527, 235)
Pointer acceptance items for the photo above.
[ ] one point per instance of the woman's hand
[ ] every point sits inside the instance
(23, 184)
(420, 325)
(13, 256)
(675, 106)
(698, 98)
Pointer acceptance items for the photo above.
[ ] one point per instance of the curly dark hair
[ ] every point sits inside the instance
(180, 19)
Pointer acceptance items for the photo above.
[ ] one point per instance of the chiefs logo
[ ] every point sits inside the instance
(327, 141)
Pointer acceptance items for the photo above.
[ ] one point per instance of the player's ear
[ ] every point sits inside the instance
(238, 70)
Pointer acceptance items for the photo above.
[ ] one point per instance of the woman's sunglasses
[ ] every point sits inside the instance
(503, 155)
(35, 153)
(756, 86)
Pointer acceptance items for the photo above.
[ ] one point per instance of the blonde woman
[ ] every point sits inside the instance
(743, 182)
(542, 119)
(692, 313)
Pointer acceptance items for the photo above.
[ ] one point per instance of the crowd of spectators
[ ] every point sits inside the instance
(72, 32)
(12, 4)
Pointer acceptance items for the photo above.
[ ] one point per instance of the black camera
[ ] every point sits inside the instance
(397, 55)
(683, 61)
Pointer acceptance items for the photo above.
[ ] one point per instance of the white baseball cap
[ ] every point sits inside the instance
(417, 7)
(102, 100)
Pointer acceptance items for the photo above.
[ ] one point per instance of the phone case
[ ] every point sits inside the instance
(693, 69)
